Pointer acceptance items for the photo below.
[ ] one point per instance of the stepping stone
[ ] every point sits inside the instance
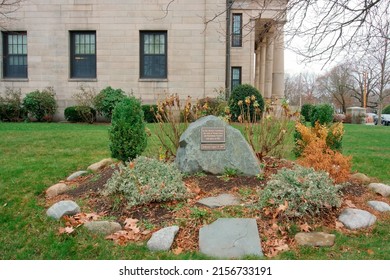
(57, 189)
(382, 189)
(76, 175)
(318, 239)
(219, 201)
(103, 227)
(65, 207)
(360, 177)
(379, 205)
(100, 165)
(356, 218)
(162, 240)
(228, 238)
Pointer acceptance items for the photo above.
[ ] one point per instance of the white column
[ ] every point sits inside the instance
(262, 67)
(257, 68)
(269, 63)
(278, 67)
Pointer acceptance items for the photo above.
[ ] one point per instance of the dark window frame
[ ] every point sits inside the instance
(158, 62)
(236, 30)
(83, 58)
(15, 61)
(236, 82)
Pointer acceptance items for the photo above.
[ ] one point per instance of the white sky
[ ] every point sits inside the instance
(292, 65)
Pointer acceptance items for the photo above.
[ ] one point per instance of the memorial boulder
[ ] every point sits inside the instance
(210, 145)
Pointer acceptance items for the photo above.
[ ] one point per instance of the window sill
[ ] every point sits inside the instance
(82, 80)
(152, 80)
(14, 80)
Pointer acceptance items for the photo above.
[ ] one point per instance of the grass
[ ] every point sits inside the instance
(34, 156)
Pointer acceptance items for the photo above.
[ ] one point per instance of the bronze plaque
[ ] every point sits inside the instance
(212, 135)
(212, 147)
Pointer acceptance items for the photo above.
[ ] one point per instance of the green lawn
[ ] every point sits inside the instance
(34, 156)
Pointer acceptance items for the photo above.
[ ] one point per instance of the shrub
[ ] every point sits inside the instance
(11, 105)
(322, 113)
(339, 118)
(386, 110)
(146, 180)
(127, 134)
(149, 113)
(85, 100)
(306, 111)
(107, 99)
(211, 106)
(306, 192)
(41, 105)
(80, 114)
(248, 96)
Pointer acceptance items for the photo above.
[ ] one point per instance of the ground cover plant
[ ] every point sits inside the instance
(35, 156)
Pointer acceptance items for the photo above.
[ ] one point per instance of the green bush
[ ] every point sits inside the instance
(149, 113)
(322, 113)
(107, 99)
(306, 192)
(127, 133)
(212, 106)
(80, 114)
(147, 180)
(306, 111)
(11, 106)
(240, 93)
(386, 110)
(41, 105)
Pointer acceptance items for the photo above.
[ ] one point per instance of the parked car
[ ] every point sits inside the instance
(371, 117)
(385, 119)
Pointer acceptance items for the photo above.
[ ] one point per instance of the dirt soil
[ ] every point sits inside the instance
(276, 232)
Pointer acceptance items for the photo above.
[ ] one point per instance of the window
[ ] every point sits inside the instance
(236, 77)
(83, 54)
(14, 55)
(153, 54)
(237, 30)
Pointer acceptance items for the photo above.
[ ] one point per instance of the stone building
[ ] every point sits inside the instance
(145, 47)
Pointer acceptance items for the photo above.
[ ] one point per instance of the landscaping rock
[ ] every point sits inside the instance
(65, 207)
(103, 227)
(318, 239)
(360, 177)
(57, 189)
(379, 205)
(379, 188)
(230, 238)
(220, 200)
(100, 165)
(356, 218)
(237, 155)
(162, 240)
(76, 175)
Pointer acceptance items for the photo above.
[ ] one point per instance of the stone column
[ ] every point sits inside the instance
(257, 68)
(262, 67)
(269, 63)
(278, 67)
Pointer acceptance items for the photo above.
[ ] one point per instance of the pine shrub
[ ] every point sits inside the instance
(243, 100)
(323, 114)
(146, 180)
(107, 99)
(149, 113)
(306, 111)
(41, 105)
(80, 114)
(127, 134)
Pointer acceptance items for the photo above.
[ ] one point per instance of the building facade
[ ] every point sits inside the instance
(148, 48)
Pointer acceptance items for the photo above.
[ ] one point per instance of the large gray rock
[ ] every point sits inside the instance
(57, 189)
(356, 218)
(237, 155)
(230, 238)
(162, 240)
(360, 177)
(318, 239)
(103, 227)
(100, 165)
(379, 205)
(379, 188)
(65, 207)
(76, 174)
(220, 200)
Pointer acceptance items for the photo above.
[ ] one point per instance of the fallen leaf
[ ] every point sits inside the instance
(275, 227)
(130, 223)
(65, 230)
(282, 248)
(339, 225)
(177, 251)
(370, 252)
(305, 227)
(350, 204)
(146, 232)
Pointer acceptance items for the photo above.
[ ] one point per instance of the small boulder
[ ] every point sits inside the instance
(219, 201)
(100, 165)
(103, 227)
(356, 218)
(379, 188)
(76, 175)
(57, 189)
(65, 207)
(318, 239)
(379, 205)
(162, 240)
(360, 177)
